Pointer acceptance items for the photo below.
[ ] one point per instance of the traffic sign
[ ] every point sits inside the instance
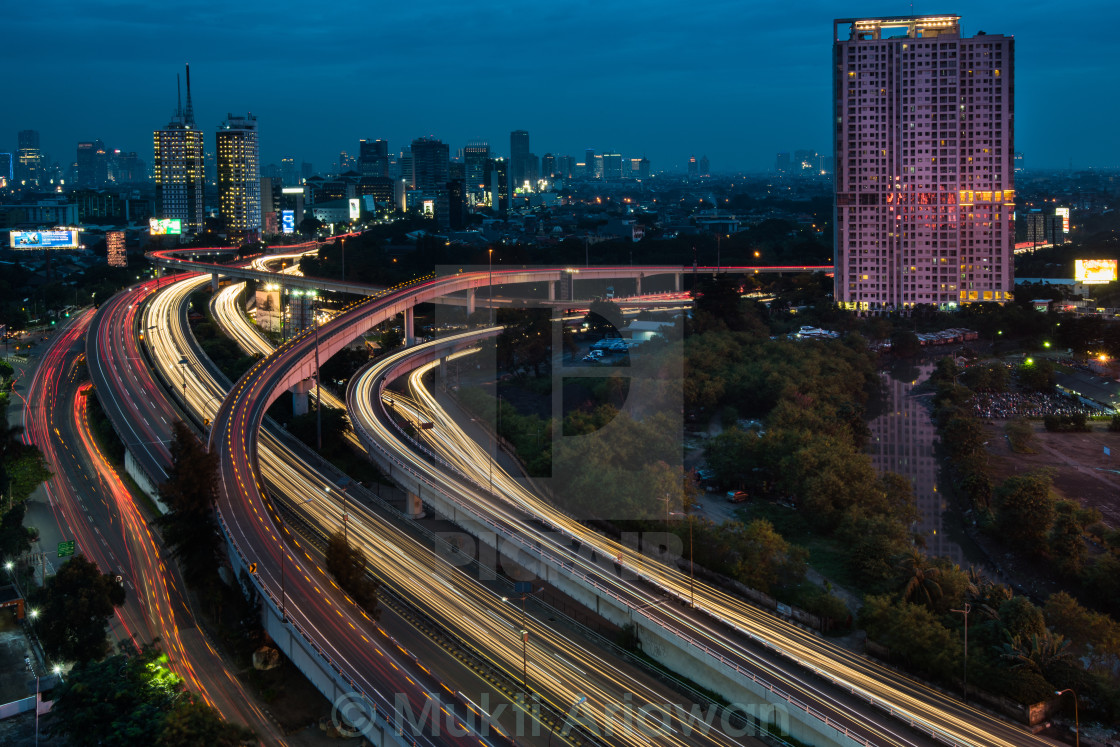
(65, 548)
(252, 568)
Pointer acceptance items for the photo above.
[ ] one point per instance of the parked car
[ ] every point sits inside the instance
(737, 496)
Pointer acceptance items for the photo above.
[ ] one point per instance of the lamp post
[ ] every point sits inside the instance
(524, 641)
(490, 282)
(184, 362)
(1076, 719)
(318, 383)
(965, 611)
(344, 259)
(691, 561)
(579, 701)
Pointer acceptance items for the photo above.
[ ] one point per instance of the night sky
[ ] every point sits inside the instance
(737, 81)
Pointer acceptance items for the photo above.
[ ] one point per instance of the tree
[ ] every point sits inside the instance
(1025, 510)
(767, 559)
(14, 536)
(905, 344)
(190, 492)
(347, 564)
(1067, 536)
(73, 607)
(920, 579)
(913, 634)
(1036, 374)
(604, 317)
(128, 700)
(1021, 619)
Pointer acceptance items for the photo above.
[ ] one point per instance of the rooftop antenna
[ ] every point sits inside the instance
(189, 113)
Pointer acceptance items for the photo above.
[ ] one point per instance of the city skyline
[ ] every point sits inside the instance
(652, 92)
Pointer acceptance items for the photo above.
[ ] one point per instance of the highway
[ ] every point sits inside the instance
(90, 504)
(463, 605)
(952, 722)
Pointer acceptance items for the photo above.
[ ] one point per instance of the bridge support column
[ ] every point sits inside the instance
(677, 282)
(551, 290)
(470, 301)
(443, 370)
(299, 392)
(214, 282)
(409, 327)
(413, 508)
(638, 285)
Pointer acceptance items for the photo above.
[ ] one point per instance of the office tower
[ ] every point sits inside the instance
(268, 190)
(7, 172)
(239, 180)
(596, 166)
(612, 166)
(430, 159)
(705, 166)
(306, 171)
(532, 171)
(565, 167)
(373, 158)
(781, 163)
(589, 163)
(643, 168)
(115, 249)
(455, 206)
(475, 156)
(93, 165)
(693, 167)
(29, 159)
(548, 166)
(288, 173)
(519, 158)
(178, 168)
(407, 168)
(125, 168)
(497, 184)
(924, 177)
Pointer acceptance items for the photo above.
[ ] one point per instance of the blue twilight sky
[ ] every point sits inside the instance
(737, 81)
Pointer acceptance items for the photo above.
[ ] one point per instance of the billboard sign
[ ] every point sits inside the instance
(1095, 271)
(355, 208)
(115, 249)
(1064, 212)
(288, 221)
(44, 239)
(165, 226)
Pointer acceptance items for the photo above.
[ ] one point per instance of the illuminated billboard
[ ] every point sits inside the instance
(44, 239)
(355, 208)
(288, 221)
(1095, 271)
(1064, 212)
(165, 226)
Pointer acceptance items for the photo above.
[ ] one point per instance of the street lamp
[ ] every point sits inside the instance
(965, 611)
(582, 699)
(184, 362)
(1076, 719)
(490, 259)
(524, 640)
(691, 561)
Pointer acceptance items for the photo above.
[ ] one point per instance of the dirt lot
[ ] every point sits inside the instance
(1082, 471)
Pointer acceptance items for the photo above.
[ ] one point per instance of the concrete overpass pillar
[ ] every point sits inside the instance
(409, 328)
(413, 508)
(214, 282)
(443, 370)
(551, 290)
(299, 392)
(470, 301)
(677, 282)
(638, 285)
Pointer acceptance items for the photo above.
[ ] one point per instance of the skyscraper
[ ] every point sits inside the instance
(924, 175)
(29, 159)
(519, 158)
(93, 165)
(373, 157)
(430, 160)
(548, 166)
(475, 156)
(179, 169)
(612, 167)
(239, 181)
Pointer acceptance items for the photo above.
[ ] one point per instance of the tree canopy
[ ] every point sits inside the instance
(73, 609)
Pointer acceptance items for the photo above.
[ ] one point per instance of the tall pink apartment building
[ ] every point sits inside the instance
(924, 144)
